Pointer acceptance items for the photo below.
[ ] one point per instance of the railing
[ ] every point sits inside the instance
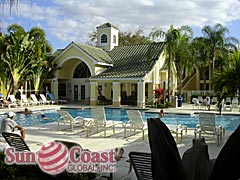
(187, 94)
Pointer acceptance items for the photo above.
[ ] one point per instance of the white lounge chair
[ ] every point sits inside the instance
(66, 118)
(135, 123)
(100, 122)
(13, 100)
(235, 104)
(51, 96)
(200, 99)
(196, 103)
(35, 100)
(177, 130)
(207, 126)
(44, 99)
(228, 104)
(24, 100)
(5, 103)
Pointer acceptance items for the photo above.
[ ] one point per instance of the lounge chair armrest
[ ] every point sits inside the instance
(61, 118)
(78, 118)
(198, 126)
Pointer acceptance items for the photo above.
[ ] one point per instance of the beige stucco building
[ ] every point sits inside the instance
(122, 74)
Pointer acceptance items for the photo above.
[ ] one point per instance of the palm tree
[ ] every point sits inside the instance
(38, 55)
(226, 81)
(4, 75)
(19, 56)
(200, 56)
(171, 37)
(11, 3)
(216, 41)
(183, 54)
(42, 50)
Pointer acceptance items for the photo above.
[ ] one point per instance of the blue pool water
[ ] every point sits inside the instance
(230, 122)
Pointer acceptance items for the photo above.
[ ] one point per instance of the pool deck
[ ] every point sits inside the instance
(39, 135)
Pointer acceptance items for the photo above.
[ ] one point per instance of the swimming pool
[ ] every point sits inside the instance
(230, 122)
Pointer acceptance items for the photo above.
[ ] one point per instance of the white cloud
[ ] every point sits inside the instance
(72, 20)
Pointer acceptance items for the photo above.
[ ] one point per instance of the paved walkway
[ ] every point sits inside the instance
(39, 135)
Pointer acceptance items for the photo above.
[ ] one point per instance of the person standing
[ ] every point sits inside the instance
(9, 125)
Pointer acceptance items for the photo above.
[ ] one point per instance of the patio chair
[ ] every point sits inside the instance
(51, 96)
(44, 99)
(5, 103)
(16, 141)
(200, 99)
(235, 104)
(24, 100)
(141, 163)
(135, 123)
(196, 103)
(35, 100)
(13, 99)
(100, 122)
(228, 104)
(207, 126)
(65, 118)
(177, 130)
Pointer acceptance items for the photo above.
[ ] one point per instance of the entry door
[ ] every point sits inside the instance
(75, 92)
(83, 89)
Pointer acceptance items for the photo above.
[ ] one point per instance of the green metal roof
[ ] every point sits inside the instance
(96, 53)
(132, 61)
(106, 25)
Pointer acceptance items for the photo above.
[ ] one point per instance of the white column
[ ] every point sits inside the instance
(54, 88)
(93, 95)
(141, 94)
(116, 94)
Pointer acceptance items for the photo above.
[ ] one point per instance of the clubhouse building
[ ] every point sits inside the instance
(109, 73)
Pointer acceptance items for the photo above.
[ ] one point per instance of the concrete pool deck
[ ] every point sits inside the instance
(39, 135)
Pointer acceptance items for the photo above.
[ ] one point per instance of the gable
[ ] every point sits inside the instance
(97, 55)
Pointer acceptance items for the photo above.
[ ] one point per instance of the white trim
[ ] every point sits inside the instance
(116, 100)
(83, 52)
(115, 82)
(74, 57)
(93, 82)
(100, 39)
(117, 79)
(105, 64)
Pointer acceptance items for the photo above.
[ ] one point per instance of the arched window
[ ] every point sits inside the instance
(114, 39)
(82, 71)
(104, 38)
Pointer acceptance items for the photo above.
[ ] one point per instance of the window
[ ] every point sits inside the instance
(82, 71)
(104, 38)
(114, 39)
(204, 73)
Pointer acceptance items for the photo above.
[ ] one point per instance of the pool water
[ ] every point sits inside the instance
(35, 118)
(230, 122)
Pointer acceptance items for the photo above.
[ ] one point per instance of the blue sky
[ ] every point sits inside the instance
(65, 21)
